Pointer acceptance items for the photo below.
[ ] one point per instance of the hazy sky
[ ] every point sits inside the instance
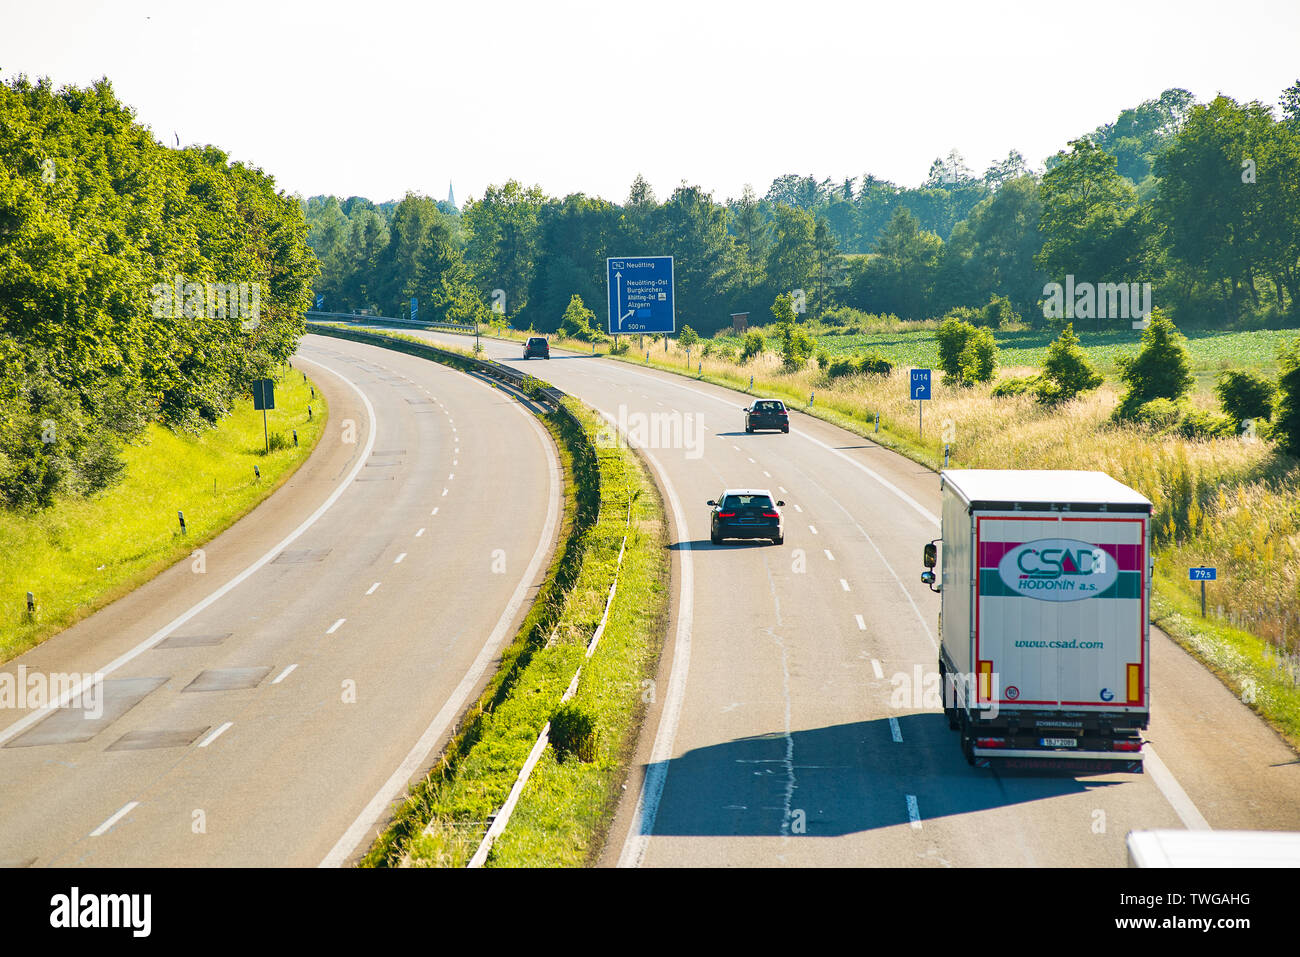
(377, 98)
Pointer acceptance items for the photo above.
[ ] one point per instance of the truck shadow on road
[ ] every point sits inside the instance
(845, 779)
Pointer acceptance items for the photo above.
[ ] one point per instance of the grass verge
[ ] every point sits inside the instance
(80, 555)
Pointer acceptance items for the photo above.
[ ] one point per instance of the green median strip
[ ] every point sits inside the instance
(569, 802)
(80, 555)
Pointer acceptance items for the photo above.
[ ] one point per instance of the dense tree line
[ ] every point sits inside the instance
(138, 283)
(1197, 200)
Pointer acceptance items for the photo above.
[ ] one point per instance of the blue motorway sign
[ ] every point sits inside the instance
(920, 384)
(415, 308)
(641, 294)
(1202, 574)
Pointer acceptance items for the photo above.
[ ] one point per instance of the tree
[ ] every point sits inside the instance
(1245, 395)
(1286, 420)
(687, 338)
(578, 321)
(1162, 369)
(503, 233)
(979, 358)
(1067, 373)
(953, 335)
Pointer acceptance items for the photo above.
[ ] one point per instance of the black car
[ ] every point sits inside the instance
(746, 513)
(767, 414)
(537, 346)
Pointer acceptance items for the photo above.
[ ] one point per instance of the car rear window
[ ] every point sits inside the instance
(768, 406)
(743, 501)
(537, 342)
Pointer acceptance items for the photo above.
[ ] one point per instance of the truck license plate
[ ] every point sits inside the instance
(1058, 742)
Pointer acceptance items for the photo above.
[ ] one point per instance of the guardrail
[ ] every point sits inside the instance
(417, 323)
(488, 368)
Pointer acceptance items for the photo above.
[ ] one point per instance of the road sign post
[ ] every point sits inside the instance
(264, 398)
(920, 390)
(1203, 574)
(641, 295)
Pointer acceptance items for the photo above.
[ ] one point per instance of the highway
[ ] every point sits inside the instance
(784, 729)
(264, 703)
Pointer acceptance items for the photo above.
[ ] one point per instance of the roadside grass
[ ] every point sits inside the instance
(80, 555)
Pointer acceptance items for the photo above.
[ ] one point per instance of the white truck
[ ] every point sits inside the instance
(1045, 585)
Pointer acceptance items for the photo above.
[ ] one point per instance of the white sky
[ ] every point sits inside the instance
(376, 98)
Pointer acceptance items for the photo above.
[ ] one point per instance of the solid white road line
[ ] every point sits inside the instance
(21, 725)
(335, 627)
(215, 734)
(1187, 812)
(127, 809)
(283, 674)
(914, 812)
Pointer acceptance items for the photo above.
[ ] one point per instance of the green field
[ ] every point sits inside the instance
(81, 554)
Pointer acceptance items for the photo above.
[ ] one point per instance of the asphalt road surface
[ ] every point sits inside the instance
(268, 709)
(785, 730)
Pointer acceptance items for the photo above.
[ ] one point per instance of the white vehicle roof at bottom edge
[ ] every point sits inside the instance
(1042, 485)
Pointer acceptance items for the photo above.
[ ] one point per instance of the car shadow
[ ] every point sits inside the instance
(845, 778)
(705, 545)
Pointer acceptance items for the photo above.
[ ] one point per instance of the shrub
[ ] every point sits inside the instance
(823, 359)
(796, 346)
(953, 335)
(979, 358)
(841, 366)
(687, 338)
(999, 312)
(1158, 414)
(277, 441)
(1201, 424)
(1245, 395)
(1067, 372)
(1286, 416)
(1161, 370)
(621, 347)
(875, 363)
(573, 733)
(1017, 385)
(754, 345)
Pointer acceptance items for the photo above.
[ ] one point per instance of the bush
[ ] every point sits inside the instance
(1000, 313)
(1245, 395)
(573, 733)
(875, 363)
(796, 346)
(1017, 385)
(277, 441)
(823, 359)
(621, 347)
(1161, 370)
(754, 345)
(1200, 424)
(687, 338)
(953, 335)
(979, 358)
(1067, 372)
(1286, 416)
(1159, 414)
(841, 366)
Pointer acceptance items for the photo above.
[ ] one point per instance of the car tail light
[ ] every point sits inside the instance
(1127, 745)
(990, 742)
(784, 413)
(726, 515)
(771, 515)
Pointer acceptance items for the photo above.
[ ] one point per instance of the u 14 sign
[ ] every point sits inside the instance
(1057, 569)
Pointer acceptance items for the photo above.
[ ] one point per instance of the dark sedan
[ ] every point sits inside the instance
(746, 513)
(537, 346)
(767, 414)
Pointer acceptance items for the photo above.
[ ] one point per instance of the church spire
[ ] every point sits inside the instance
(451, 195)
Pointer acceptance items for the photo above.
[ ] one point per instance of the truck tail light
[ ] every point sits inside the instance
(1134, 683)
(990, 742)
(1127, 745)
(986, 680)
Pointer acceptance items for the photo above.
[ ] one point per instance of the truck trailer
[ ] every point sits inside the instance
(1044, 582)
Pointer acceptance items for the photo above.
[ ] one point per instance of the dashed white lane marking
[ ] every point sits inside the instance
(419, 533)
(767, 473)
(450, 476)
(844, 584)
(753, 462)
(876, 669)
(798, 509)
(829, 556)
(813, 529)
(372, 588)
(114, 819)
(338, 624)
(736, 447)
(398, 559)
(216, 734)
(914, 812)
(434, 512)
(781, 488)
(283, 674)
(445, 491)
(455, 461)
(1173, 791)
(862, 625)
(895, 731)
